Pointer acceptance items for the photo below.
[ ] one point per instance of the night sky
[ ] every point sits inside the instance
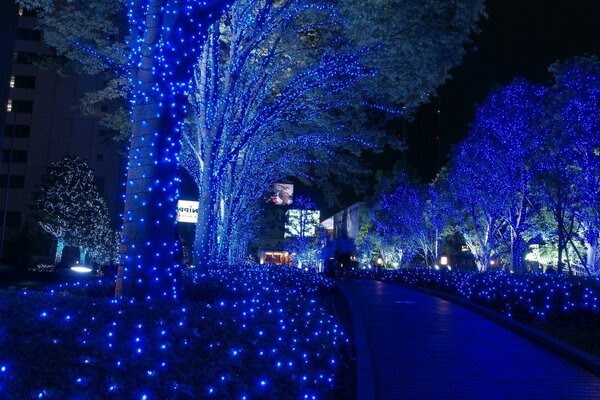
(518, 38)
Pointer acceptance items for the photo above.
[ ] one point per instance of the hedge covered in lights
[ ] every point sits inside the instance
(525, 297)
(247, 333)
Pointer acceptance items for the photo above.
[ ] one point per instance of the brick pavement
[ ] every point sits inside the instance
(411, 345)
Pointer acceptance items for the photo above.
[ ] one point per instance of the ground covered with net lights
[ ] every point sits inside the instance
(243, 333)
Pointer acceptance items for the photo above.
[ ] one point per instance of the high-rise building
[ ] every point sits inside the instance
(41, 124)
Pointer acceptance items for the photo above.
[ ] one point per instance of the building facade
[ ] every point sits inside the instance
(42, 124)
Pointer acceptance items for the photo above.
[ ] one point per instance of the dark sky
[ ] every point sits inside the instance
(518, 38)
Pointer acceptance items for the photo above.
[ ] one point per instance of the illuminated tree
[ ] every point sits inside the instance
(264, 104)
(154, 68)
(277, 89)
(69, 207)
(155, 64)
(396, 215)
(419, 40)
(570, 172)
(303, 231)
(508, 131)
(477, 209)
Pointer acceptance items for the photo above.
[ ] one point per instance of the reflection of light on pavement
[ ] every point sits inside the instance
(442, 307)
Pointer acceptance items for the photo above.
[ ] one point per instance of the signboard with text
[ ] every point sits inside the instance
(187, 211)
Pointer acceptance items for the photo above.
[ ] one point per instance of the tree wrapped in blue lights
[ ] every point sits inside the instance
(478, 211)
(273, 95)
(269, 91)
(153, 68)
(528, 172)
(507, 133)
(397, 215)
(570, 173)
(157, 62)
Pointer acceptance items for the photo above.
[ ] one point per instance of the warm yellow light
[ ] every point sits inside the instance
(380, 261)
(444, 260)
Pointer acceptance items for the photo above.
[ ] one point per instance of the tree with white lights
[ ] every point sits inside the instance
(69, 207)
(303, 231)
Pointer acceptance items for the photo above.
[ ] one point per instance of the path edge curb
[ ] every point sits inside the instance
(365, 385)
(568, 352)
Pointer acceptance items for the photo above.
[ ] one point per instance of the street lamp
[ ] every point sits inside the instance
(444, 261)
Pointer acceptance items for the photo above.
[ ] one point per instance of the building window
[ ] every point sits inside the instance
(20, 131)
(29, 34)
(18, 156)
(16, 181)
(13, 219)
(23, 57)
(22, 82)
(20, 106)
(23, 12)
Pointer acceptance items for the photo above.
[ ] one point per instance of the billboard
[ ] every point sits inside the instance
(187, 211)
(283, 194)
(301, 223)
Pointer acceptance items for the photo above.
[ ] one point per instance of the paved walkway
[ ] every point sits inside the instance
(411, 345)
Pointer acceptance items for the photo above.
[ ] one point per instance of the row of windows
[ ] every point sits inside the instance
(18, 156)
(22, 82)
(29, 34)
(23, 131)
(23, 12)
(19, 106)
(13, 219)
(23, 57)
(15, 181)
(19, 131)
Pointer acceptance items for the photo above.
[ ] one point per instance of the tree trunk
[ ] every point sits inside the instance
(60, 245)
(517, 248)
(161, 70)
(82, 255)
(206, 219)
(561, 246)
(149, 228)
(591, 250)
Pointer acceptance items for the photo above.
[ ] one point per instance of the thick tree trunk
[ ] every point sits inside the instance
(82, 255)
(149, 234)
(152, 259)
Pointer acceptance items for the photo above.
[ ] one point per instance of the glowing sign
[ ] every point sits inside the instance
(301, 223)
(283, 194)
(187, 211)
